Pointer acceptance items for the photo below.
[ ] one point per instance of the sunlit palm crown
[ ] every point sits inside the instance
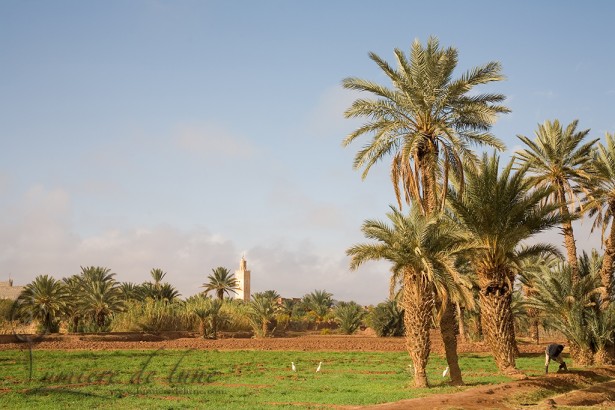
(222, 281)
(601, 202)
(500, 210)
(557, 156)
(425, 245)
(43, 296)
(426, 112)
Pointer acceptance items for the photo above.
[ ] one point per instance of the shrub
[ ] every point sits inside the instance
(207, 310)
(348, 316)
(152, 316)
(387, 319)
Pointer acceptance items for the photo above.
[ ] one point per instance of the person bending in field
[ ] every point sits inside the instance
(553, 352)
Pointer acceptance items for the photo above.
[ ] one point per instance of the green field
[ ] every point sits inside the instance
(223, 379)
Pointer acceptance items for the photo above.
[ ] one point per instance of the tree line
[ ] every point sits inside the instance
(94, 301)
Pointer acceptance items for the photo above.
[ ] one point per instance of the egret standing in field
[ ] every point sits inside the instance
(292, 366)
(318, 368)
(445, 372)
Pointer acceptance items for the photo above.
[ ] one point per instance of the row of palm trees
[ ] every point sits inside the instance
(470, 215)
(87, 300)
(93, 299)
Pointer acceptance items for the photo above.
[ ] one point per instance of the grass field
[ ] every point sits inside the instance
(223, 379)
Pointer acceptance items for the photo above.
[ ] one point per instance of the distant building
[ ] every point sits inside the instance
(8, 291)
(243, 281)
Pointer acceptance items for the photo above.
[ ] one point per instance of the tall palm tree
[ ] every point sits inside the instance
(422, 250)
(158, 290)
(158, 275)
(426, 122)
(500, 210)
(558, 158)
(43, 300)
(601, 205)
(221, 281)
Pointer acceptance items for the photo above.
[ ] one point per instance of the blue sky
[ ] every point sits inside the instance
(183, 134)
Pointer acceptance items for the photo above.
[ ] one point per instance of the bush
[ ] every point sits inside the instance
(387, 319)
(151, 316)
(207, 310)
(348, 316)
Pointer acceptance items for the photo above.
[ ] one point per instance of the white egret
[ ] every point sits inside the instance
(318, 368)
(445, 372)
(292, 366)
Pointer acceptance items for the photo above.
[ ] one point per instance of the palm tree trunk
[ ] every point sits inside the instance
(497, 323)
(534, 322)
(602, 357)
(418, 304)
(606, 271)
(569, 242)
(461, 325)
(532, 314)
(449, 337)
(581, 356)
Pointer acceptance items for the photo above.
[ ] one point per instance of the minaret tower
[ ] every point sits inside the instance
(243, 281)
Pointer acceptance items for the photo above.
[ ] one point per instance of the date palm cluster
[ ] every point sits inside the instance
(86, 301)
(468, 236)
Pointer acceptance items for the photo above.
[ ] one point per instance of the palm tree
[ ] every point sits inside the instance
(422, 250)
(100, 296)
(387, 319)
(601, 205)
(43, 300)
(262, 310)
(348, 315)
(427, 123)
(319, 303)
(161, 291)
(557, 158)
(130, 291)
(158, 275)
(500, 210)
(96, 274)
(208, 312)
(529, 270)
(221, 282)
(573, 308)
(72, 311)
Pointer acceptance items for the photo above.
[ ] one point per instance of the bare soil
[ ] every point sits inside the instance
(594, 387)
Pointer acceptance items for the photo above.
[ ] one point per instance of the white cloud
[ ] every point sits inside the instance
(295, 269)
(41, 239)
(213, 141)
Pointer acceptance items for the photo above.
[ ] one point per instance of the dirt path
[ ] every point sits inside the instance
(583, 387)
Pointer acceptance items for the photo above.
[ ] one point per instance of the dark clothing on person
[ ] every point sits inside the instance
(553, 352)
